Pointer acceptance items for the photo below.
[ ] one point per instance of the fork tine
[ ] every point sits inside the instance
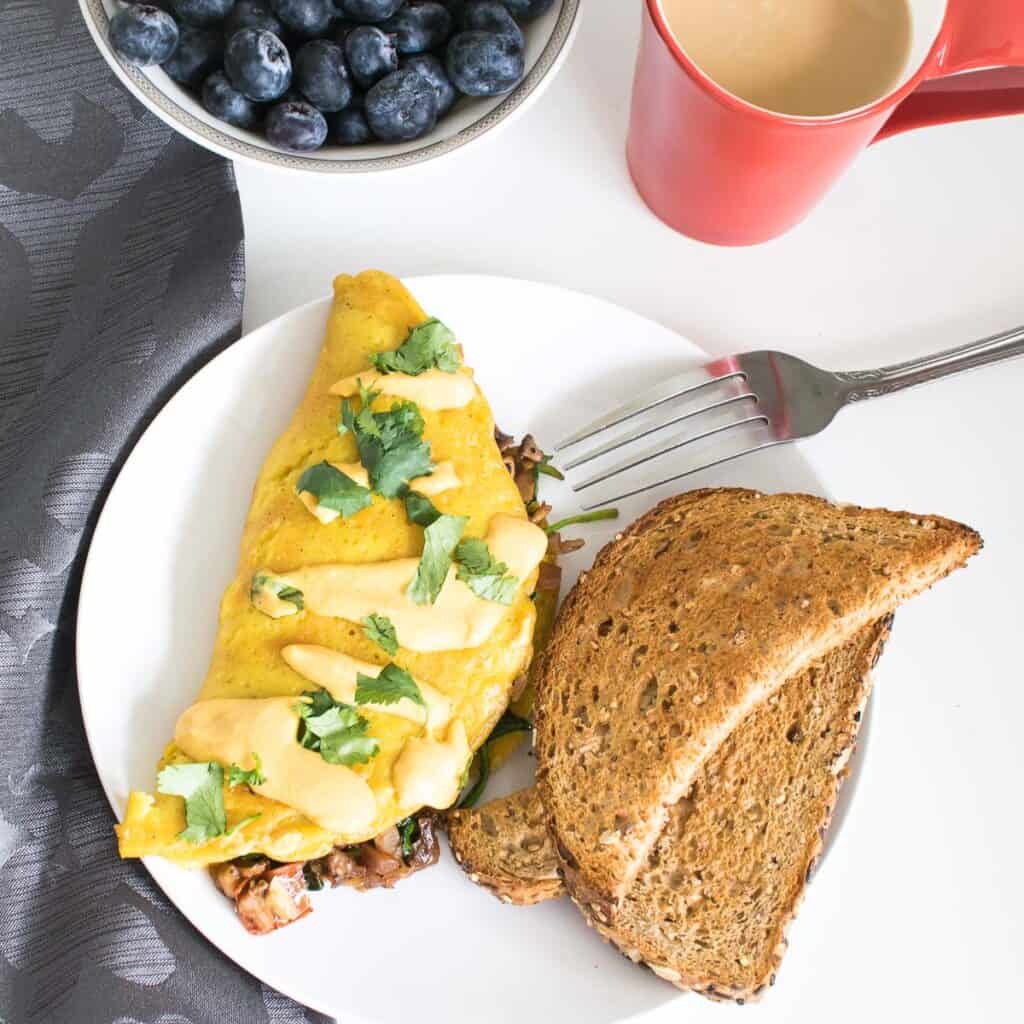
(726, 456)
(674, 387)
(681, 441)
(625, 439)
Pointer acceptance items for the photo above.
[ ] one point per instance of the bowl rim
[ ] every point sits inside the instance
(165, 105)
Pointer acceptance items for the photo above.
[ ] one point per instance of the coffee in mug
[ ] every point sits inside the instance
(811, 58)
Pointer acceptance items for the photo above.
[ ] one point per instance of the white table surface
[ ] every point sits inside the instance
(919, 911)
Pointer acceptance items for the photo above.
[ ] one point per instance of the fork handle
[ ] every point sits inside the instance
(860, 385)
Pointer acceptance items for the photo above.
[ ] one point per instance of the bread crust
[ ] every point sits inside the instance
(752, 588)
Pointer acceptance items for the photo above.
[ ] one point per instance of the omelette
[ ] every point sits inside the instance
(379, 617)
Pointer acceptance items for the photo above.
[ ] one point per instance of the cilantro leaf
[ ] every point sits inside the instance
(389, 687)
(262, 582)
(428, 346)
(390, 443)
(333, 489)
(334, 730)
(381, 630)
(440, 539)
(487, 578)
(238, 776)
(202, 786)
(420, 509)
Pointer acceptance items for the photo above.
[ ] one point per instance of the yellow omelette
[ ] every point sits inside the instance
(463, 651)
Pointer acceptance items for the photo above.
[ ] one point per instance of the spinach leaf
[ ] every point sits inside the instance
(508, 723)
(420, 509)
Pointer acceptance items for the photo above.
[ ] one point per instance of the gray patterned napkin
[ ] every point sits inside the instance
(120, 274)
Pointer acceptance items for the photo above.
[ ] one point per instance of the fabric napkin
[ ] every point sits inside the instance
(121, 273)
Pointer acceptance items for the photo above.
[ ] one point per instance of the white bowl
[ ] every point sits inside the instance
(548, 41)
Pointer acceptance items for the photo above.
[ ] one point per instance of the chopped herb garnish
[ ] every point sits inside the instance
(202, 786)
(392, 685)
(420, 509)
(390, 443)
(335, 730)
(409, 831)
(238, 776)
(381, 631)
(485, 576)
(429, 346)
(439, 541)
(333, 490)
(262, 582)
(585, 517)
(508, 723)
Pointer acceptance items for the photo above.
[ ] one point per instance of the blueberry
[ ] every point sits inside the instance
(484, 64)
(371, 54)
(321, 75)
(143, 34)
(491, 16)
(199, 54)
(527, 10)
(348, 127)
(420, 27)
(252, 14)
(258, 64)
(427, 65)
(401, 107)
(202, 13)
(296, 125)
(226, 103)
(369, 11)
(305, 17)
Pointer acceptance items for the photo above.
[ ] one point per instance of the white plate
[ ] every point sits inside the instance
(164, 549)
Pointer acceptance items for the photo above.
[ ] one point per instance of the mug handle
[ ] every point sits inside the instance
(976, 34)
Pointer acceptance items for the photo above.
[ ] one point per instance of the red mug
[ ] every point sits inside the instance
(721, 170)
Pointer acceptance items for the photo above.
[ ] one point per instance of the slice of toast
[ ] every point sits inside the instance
(505, 847)
(710, 909)
(687, 621)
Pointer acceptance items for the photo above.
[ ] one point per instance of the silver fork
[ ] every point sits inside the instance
(742, 404)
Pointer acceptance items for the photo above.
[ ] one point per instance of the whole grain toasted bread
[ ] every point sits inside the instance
(505, 847)
(710, 909)
(687, 621)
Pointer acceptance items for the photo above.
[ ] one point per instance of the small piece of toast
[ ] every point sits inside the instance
(505, 847)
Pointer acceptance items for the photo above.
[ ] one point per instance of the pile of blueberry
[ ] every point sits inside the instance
(306, 72)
